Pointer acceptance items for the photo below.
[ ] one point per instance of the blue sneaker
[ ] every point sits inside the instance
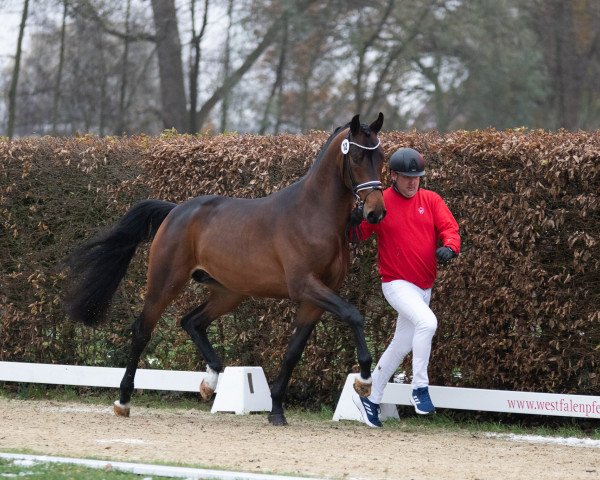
(369, 411)
(422, 401)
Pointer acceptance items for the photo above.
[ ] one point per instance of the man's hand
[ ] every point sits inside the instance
(444, 254)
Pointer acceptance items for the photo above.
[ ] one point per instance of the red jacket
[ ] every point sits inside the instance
(409, 234)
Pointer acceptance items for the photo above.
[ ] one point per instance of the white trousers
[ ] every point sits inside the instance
(415, 327)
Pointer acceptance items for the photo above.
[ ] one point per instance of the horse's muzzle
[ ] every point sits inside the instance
(375, 217)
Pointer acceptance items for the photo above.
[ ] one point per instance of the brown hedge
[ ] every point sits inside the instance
(519, 309)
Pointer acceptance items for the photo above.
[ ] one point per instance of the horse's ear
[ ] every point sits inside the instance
(377, 124)
(354, 125)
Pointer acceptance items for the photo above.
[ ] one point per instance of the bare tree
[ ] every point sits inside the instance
(569, 33)
(12, 92)
(121, 117)
(403, 30)
(236, 75)
(441, 64)
(61, 63)
(170, 65)
(439, 98)
(367, 43)
(276, 89)
(226, 68)
(308, 56)
(87, 9)
(195, 61)
(496, 79)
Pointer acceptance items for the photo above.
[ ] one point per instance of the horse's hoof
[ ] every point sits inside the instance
(120, 409)
(277, 419)
(206, 392)
(363, 389)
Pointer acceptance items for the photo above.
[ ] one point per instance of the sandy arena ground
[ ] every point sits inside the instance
(316, 448)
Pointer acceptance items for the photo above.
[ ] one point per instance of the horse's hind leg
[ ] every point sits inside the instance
(165, 282)
(307, 317)
(141, 332)
(196, 323)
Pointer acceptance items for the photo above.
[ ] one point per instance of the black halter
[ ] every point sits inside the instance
(356, 215)
(357, 187)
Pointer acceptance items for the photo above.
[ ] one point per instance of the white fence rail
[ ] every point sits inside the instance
(505, 401)
(172, 380)
(240, 390)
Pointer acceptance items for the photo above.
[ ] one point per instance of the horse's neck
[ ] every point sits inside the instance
(324, 187)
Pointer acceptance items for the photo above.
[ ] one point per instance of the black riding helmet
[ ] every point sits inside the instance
(407, 161)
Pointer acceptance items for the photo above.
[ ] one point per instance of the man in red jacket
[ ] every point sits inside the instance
(418, 232)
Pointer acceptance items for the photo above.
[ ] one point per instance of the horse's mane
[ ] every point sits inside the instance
(365, 128)
(329, 140)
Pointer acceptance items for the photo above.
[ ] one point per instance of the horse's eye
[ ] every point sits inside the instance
(357, 157)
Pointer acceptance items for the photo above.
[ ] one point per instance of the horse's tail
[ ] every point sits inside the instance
(98, 266)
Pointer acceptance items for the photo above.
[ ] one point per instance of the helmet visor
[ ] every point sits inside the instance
(412, 174)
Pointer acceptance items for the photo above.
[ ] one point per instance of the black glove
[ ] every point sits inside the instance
(444, 254)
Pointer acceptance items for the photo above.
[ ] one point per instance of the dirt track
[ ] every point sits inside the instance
(316, 448)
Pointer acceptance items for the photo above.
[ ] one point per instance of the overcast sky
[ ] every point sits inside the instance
(10, 16)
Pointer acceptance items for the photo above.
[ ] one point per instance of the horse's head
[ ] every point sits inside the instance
(363, 160)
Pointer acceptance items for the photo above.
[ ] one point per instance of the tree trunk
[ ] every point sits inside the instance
(276, 90)
(440, 108)
(170, 65)
(305, 92)
(61, 62)
(12, 92)
(124, 74)
(568, 35)
(103, 87)
(226, 68)
(195, 62)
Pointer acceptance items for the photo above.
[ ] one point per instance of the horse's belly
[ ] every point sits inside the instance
(247, 271)
(250, 283)
(254, 284)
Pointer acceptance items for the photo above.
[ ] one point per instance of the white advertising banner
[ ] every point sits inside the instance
(505, 401)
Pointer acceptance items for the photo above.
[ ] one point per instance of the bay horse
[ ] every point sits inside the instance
(290, 244)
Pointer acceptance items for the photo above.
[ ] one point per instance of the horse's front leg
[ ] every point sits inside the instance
(306, 319)
(322, 296)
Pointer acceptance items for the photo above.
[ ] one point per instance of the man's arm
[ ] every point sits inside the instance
(447, 232)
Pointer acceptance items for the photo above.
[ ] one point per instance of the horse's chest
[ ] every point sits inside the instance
(336, 268)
